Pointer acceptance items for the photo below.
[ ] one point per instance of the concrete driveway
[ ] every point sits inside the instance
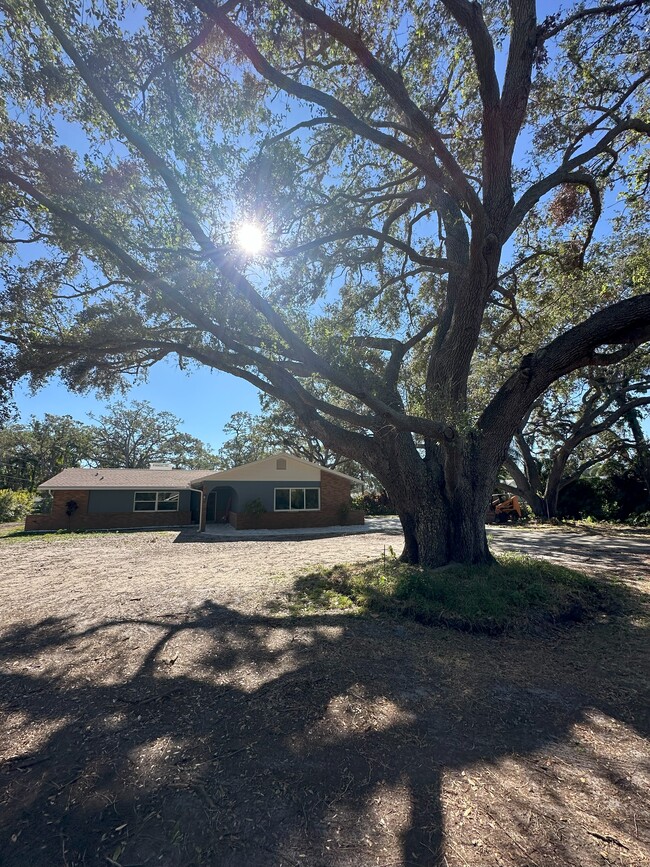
(626, 556)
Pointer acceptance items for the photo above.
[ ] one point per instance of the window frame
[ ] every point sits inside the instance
(290, 490)
(157, 498)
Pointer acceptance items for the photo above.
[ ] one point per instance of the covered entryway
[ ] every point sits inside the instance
(221, 501)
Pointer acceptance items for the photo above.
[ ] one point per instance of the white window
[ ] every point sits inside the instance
(155, 501)
(297, 499)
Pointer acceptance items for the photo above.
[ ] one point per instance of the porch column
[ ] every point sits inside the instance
(204, 511)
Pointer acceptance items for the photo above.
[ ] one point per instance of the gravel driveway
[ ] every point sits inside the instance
(107, 572)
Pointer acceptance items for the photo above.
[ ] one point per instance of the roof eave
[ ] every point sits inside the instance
(46, 487)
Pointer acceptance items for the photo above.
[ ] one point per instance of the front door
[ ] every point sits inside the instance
(223, 504)
(219, 505)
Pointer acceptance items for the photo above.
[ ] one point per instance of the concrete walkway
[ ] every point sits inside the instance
(227, 533)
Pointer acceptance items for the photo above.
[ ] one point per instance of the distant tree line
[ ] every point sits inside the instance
(132, 436)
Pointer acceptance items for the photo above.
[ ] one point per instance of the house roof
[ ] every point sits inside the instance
(232, 473)
(78, 478)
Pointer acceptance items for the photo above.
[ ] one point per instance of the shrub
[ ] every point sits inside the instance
(343, 513)
(42, 504)
(71, 507)
(254, 507)
(14, 505)
(641, 519)
(373, 503)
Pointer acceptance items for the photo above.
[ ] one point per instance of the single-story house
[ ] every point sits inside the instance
(278, 492)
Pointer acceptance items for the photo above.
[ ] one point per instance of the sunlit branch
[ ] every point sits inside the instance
(567, 171)
(393, 85)
(201, 37)
(186, 213)
(626, 324)
(607, 112)
(332, 105)
(441, 265)
(548, 31)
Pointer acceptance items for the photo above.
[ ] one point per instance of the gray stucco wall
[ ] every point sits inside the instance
(103, 502)
(244, 492)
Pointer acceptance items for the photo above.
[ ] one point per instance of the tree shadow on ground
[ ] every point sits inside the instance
(216, 737)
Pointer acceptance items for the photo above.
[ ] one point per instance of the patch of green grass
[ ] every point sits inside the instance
(514, 593)
(10, 533)
(10, 528)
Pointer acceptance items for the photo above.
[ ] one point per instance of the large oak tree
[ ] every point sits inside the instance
(412, 163)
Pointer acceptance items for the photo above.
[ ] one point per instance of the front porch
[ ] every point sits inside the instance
(217, 502)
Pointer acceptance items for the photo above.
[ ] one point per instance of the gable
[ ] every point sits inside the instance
(267, 470)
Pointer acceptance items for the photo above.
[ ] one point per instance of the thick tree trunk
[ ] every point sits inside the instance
(553, 485)
(442, 512)
(437, 533)
(642, 448)
(537, 505)
(410, 554)
(551, 503)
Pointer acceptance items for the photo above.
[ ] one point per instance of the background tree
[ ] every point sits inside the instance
(574, 428)
(136, 435)
(633, 418)
(612, 491)
(275, 429)
(8, 377)
(246, 440)
(423, 163)
(32, 453)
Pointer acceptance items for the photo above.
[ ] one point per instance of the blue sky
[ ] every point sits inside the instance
(202, 398)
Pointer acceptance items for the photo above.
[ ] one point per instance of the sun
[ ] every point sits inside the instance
(250, 239)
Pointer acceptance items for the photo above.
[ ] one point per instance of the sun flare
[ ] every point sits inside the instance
(250, 239)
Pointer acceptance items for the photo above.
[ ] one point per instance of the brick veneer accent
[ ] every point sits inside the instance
(81, 520)
(334, 511)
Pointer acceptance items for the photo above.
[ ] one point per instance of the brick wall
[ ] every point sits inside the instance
(81, 520)
(334, 511)
(334, 492)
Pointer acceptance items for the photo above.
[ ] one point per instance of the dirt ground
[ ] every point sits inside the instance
(159, 705)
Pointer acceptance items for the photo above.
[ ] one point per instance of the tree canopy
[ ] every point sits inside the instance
(136, 435)
(33, 452)
(427, 181)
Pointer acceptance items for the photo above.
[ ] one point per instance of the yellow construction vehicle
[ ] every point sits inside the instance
(503, 509)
